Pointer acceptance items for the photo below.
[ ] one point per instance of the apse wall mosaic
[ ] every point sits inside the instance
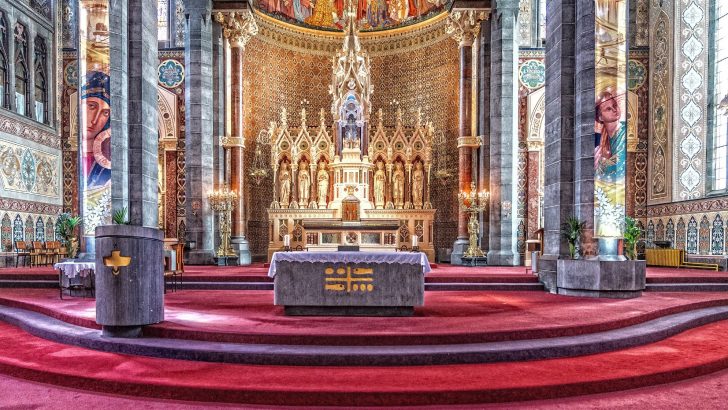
(424, 76)
(21, 226)
(370, 14)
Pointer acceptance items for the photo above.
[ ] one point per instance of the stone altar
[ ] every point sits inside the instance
(349, 283)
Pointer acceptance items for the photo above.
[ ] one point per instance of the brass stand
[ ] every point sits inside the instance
(473, 203)
(223, 202)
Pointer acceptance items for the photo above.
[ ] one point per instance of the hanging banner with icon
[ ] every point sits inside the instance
(610, 122)
(94, 122)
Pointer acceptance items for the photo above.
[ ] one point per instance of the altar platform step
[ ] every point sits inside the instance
(687, 287)
(438, 286)
(696, 352)
(29, 283)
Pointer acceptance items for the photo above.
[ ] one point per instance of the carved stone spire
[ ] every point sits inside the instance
(238, 27)
(351, 70)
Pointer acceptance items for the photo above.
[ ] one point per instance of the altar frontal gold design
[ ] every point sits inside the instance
(349, 279)
(115, 261)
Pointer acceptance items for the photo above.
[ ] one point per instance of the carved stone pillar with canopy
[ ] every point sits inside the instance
(464, 26)
(238, 28)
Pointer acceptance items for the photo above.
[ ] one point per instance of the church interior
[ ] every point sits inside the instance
(363, 203)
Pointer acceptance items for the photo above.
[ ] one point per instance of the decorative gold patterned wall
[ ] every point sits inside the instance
(424, 76)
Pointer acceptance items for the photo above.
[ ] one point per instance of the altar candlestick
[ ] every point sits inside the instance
(415, 240)
(287, 241)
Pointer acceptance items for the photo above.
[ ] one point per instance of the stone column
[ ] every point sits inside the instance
(198, 131)
(238, 28)
(129, 280)
(464, 26)
(484, 124)
(503, 134)
(559, 133)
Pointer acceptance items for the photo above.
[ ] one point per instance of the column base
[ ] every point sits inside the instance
(241, 245)
(619, 279)
(200, 257)
(458, 250)
(503, 258)
(121, 331)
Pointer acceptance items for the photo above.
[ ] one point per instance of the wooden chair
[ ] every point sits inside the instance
(40, 252)
(53, 249)
(174, 272)
(21, 250)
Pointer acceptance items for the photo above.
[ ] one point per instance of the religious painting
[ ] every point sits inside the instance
(610, 122)
(95, 132)
(370, 14)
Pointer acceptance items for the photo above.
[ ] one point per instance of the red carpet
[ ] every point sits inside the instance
(447, 317)
(690, 354)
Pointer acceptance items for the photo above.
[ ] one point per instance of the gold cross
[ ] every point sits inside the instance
(116, 261)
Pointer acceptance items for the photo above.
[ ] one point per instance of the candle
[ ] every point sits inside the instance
(415, 239)
(287, 241)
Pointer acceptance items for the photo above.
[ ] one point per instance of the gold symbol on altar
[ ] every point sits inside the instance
(115, 261)
(349, 279)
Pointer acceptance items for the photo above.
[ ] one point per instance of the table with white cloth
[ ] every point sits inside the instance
(75, 275)
(349, 283)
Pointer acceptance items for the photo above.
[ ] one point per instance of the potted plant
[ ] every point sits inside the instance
(571, 231)
(119, 217)
(67, 225)
(632, 233)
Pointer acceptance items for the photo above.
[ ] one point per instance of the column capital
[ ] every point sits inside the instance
(470, 141)
(464, 25)
(230, 142)
(238, 27)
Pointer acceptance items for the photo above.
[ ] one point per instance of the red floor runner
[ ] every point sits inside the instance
(690, 354)
(447, 317)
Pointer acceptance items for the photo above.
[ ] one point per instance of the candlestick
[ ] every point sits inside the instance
(415, 240)
(287, 241)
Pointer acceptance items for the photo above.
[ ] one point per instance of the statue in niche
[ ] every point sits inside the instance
(418, 185)
(285, 184)
(304, 184)
(380, 180)
(398, 186)
(322, 179)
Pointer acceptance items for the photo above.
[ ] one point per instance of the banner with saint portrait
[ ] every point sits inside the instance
(610, 122)
(94, 115)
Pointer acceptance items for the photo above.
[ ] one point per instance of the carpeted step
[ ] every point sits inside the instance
(687, 287)
(687, 279)
(33, 284)
(224, 285)
(485, 286)
(308, 355)
(690, 354)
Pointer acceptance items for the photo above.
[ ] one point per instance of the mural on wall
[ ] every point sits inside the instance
(28, 171)
(370, 14)
(690, 104)
(610, 129)
(661, 64)
(95, 114)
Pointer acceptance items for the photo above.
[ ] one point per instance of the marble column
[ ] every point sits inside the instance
(238, 28)
(129, 286)
(504, 134)
(464, 26)
(198, 131)
(484, 124)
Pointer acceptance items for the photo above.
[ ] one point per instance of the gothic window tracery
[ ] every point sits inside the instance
(719, 158)
(4, 80)
(22, 75)
(41, 83)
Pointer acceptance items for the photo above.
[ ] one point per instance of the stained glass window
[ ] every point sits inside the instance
(41, 83)
(3, 60)
(720, 132)
(163, 20)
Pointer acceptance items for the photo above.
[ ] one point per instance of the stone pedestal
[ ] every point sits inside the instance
(622, 279)
(243, 247)
(458, 250)
(135, 296)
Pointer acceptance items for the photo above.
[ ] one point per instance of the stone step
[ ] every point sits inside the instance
(686, 287)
